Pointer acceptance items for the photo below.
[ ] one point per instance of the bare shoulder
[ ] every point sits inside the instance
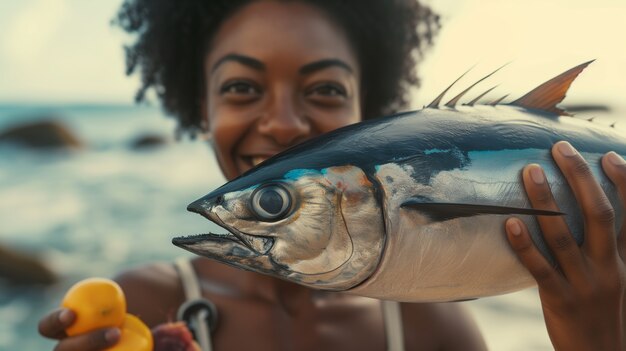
(443, 326)
(153, 292)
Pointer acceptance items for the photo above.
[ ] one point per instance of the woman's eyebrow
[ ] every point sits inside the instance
(244, 60)
(321, 64)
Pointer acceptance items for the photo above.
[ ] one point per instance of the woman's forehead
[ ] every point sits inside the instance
(267, 29)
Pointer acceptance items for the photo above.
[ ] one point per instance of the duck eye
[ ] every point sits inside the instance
(271, 202)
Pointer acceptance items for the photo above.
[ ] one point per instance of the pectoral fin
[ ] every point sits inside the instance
(444, 211)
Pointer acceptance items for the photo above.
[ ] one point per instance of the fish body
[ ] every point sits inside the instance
(409, 207)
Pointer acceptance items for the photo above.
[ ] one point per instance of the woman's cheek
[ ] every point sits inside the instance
(223, 143)
(224, 151)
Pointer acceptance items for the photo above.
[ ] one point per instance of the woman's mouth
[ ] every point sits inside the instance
(253, 161)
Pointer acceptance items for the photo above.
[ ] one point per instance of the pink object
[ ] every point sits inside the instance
(173, 337)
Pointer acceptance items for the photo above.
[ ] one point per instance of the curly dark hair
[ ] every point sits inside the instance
(389, 37)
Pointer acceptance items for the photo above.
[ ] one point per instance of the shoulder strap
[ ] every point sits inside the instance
(188, 278)
(193, 296)
(392, 317)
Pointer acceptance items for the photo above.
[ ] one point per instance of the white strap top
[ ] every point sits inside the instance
(392, 316)
(193, 292)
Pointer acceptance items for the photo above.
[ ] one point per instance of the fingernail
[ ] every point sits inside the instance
(566, 149)
(514, 227)
(112, 335)
(66, 316)
(536, 174)
(615, 159)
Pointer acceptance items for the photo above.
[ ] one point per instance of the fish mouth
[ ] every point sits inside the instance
(259, 245)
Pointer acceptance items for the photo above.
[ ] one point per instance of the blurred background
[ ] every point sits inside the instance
(107, 188)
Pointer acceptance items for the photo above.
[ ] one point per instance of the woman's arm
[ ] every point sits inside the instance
(583, 298)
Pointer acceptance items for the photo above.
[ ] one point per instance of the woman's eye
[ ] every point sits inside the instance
(239, 87)
(327, 90)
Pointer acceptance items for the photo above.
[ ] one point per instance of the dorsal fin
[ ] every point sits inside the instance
(471, 103)
(549, 94)
(435, 103)
(452, 103)
(497, 101)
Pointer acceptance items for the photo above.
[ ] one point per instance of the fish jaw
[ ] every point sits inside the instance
(210, 209)
(234, 247)
(225, 248)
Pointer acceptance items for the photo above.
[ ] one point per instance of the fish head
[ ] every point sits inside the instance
(320, 228)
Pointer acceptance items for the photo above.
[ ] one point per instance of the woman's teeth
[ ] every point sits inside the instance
(257, 159)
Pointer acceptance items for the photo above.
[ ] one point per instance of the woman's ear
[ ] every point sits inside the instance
(205, 130)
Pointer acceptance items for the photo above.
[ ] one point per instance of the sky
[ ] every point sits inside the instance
(62, 51)
(538, 38)
(66, 51)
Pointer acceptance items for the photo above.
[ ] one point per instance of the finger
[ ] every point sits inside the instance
(97, 340)
(597, 211)
(54, 324)
(546, 276)
(615, 168)
(554, 228)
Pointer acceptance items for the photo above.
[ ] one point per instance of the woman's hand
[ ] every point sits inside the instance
(54, 324)
(583, 299)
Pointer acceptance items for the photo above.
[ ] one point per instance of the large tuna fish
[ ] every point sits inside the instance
(409, 207)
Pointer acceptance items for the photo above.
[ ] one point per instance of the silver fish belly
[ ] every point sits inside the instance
(465, 257)
(409, 207)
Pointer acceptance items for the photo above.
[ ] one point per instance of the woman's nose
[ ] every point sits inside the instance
(284, 122)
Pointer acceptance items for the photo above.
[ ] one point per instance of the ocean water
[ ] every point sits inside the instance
(96, 211)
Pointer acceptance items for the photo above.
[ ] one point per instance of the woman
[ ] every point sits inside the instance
(261, 76)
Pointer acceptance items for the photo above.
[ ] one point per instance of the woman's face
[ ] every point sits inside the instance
(277, 74)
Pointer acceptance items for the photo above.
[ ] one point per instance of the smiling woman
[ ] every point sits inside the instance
(260, 77)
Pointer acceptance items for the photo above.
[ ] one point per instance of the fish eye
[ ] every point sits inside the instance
(271, 202)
